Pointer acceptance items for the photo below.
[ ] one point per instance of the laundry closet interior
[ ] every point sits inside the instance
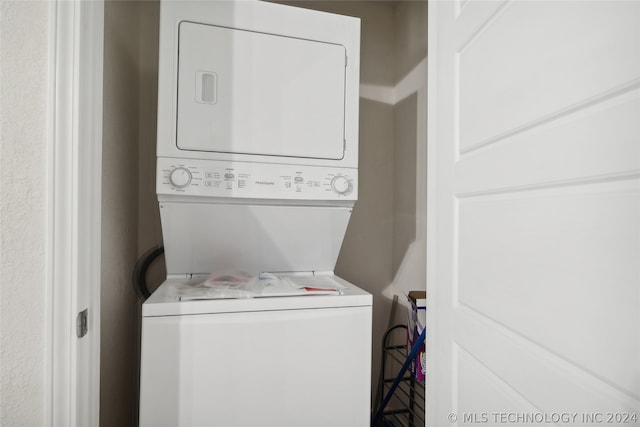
(384, 249)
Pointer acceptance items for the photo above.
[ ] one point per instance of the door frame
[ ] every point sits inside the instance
(73, 207)
(431, 406)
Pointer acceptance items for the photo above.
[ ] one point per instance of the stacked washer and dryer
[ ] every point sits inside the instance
(257, 159)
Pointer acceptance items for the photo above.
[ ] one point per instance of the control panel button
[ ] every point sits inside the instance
(229, 175)
(298, 179)
(180, 177)
(340, 184)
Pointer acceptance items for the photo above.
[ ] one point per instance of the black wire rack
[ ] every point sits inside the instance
(401, 396)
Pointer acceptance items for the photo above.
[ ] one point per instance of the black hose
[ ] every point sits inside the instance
(139, 279)
(140, 271)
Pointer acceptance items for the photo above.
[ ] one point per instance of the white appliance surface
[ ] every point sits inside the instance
(248, 92)
(252, 217)
(167, 301)
(246, 180)
(263, 362)
(254, 81)
(202, 238)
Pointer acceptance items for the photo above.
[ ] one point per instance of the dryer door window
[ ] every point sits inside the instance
(246, 92)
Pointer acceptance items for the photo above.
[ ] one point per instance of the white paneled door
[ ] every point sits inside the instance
(534, 213)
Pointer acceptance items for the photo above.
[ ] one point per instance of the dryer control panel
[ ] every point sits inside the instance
(211, 178)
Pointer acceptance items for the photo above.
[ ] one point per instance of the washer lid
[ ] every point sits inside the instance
(248, 92)
(168, 299)
(201, 237)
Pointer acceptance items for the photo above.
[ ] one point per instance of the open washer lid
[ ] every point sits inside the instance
(201, 238)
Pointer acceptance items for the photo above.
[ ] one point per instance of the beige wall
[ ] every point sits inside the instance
(131, 220)
(410, 36)
(149, 232)
(410, 153)
(119, 211)
(24, 29)
(404, 178)
(149, 229)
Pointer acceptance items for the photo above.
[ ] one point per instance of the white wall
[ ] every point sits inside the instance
(24, 29)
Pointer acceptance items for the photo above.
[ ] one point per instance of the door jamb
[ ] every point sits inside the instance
(73, 207)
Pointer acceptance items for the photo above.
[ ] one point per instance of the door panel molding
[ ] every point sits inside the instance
(552, 369)
(582, 106)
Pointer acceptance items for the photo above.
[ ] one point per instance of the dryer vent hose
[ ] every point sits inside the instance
(140, 271)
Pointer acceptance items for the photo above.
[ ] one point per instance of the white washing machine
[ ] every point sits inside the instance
(288, 361)
(256, 178)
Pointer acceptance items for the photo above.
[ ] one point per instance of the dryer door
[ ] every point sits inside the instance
(247, 92)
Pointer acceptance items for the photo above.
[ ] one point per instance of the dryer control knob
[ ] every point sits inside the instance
(340, 184)
(180, 177)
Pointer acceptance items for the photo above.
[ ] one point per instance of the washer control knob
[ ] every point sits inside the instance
(340, 184)
(180, 177)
